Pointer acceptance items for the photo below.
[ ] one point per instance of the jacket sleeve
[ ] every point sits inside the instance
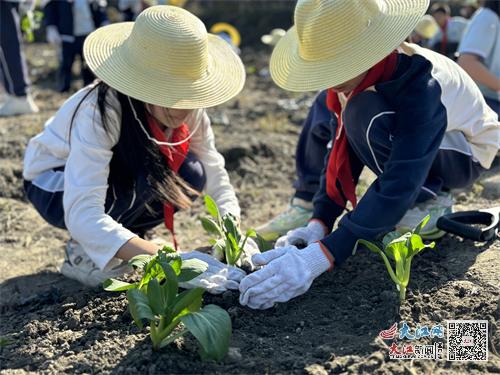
(419, 126)
(86, 183)
(50, 13)
(218, 184)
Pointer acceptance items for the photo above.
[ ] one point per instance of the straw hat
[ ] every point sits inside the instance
(166, 58)
(427, 27)
(274, 37)
(333, 41)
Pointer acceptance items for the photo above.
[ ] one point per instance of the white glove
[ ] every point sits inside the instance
(287, 273)
(301, 237)
(217, 279)
(52, 34)
(250, 249)
(26, 6)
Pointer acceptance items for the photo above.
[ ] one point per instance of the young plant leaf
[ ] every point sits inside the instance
(139, 306)
(421, 225)
(190, 269)
(171, 286)
(140, 261)
(186, 299)
(212, 328)
(113, 285)
(231, 226)
(263, 244)
(211, 207)
(156, 298)
(235, 250)
(210, 226)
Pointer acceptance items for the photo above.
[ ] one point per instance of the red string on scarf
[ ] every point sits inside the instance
(174, 156)
(339, 166)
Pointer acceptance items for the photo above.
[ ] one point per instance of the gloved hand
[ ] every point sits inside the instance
(287, 273)
(249, 250)
(217, 279)
(301, 237)
(52, 34)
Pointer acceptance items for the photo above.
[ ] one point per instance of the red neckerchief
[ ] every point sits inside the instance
(175, 156)
(339, 166)
(444, 39)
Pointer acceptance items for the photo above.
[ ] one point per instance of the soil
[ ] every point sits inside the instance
(50, 324)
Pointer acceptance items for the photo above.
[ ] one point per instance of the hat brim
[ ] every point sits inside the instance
(291, 72)
(225, 76)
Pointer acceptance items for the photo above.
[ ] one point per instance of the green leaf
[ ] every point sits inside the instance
(171, 286)
(389, 237)
(156, 298)
(140, 261)
(370, 246)
(168, 250)
(210, 226)
(251, 233)
(190, 269)
(139, 307)
(231, 227)
(186, 299)
(419, 227)
(263, 244)
(212, 208)
(212, 328)
(113, 285)
(235, 251)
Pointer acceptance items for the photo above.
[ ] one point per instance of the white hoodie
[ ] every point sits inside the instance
(86, 159)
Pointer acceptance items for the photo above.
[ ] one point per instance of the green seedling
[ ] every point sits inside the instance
(30, 22)
(400, 249)
(155, 298)
(228, 241)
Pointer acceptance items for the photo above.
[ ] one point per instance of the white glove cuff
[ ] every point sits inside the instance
(317, 230)
(317, 261)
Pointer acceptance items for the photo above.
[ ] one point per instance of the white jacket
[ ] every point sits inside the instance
(86, 159)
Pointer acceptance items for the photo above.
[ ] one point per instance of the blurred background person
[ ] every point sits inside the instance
(425, 30)
(479, 52)
(68, 22)
(469, 8)
(13, 68)
(450, 31)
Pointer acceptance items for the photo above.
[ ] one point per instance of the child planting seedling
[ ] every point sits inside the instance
(156, 299)
(229, 243)
(400, 248)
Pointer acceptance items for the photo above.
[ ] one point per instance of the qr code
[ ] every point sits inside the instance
(467, 340)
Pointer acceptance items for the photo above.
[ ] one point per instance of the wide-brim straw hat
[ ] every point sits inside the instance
(165, 58)
(427, 27)
(334, 41)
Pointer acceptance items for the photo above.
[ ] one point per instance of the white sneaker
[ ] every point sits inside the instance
(18, 105)
(437, 207)
(78, 266)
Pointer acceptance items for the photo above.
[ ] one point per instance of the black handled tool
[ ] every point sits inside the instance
(462, 224)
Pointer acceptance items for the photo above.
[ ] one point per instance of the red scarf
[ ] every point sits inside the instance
(175, 156)
(444, 39)
(339, 166)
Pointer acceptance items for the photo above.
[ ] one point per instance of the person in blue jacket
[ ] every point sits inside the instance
(68, 22)
(409, 114)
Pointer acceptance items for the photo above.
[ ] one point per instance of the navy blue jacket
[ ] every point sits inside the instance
(419, 126)
(59, 13)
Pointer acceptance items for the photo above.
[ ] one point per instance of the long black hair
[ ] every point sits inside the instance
(135, 155)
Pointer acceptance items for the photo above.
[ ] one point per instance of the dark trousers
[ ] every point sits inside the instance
(136, 209)
(451, 168)
(69, 51)
(493, 104)
(13, 67)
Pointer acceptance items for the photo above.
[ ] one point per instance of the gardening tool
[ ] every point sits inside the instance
(466, 224)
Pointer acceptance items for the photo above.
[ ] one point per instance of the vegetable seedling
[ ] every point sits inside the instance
(400, 249)
(155, 298)
(229, 241)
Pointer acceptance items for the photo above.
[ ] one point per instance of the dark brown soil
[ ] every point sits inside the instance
(50, 324)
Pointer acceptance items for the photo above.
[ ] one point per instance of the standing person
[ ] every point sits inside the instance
(451, 30)
(411, 115)
(479, 52)
(122, 155)
(68, 23)
(13, 68)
